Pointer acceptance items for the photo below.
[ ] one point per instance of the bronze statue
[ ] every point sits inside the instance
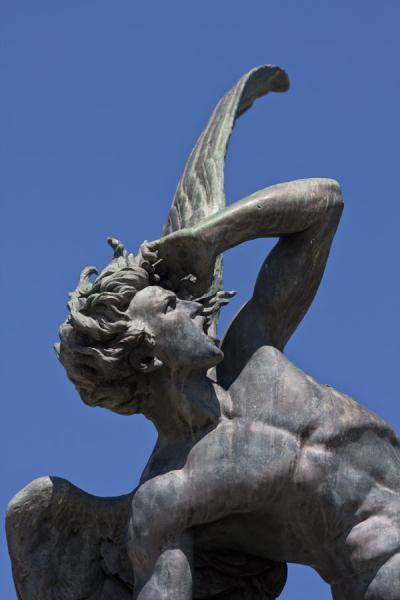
(256, 464)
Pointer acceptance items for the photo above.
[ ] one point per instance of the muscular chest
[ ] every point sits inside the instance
(244, 461)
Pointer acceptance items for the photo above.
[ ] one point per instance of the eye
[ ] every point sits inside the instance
(170, 304)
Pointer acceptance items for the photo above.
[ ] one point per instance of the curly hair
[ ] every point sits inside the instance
(100, 346)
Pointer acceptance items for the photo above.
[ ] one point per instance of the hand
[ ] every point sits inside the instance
(182, 261)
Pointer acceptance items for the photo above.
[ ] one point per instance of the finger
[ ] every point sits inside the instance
(206, 298)
(220, 298)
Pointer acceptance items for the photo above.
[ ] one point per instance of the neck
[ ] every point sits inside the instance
(183, 405)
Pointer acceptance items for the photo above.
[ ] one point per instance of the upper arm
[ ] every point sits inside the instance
(286, 285)
(289, 279)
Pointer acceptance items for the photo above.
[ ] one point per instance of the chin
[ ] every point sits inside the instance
(206, 357)
(216, 354)
(219, 359)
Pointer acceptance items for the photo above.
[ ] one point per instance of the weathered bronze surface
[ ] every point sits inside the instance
(256, 464)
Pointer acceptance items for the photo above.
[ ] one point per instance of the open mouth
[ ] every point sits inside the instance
(207, 322)
(206, 325)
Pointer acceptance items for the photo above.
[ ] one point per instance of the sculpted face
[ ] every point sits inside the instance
(178, 328)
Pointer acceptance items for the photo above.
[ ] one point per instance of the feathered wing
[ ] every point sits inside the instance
(68, 545)
(200, 191)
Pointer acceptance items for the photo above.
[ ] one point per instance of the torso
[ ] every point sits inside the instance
(287, 445)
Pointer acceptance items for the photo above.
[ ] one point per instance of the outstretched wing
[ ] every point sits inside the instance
(200, 191)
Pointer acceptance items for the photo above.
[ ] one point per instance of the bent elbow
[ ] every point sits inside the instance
(325, 192)
(334, 193)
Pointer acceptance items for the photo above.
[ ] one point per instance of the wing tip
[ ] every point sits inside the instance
(274, 77)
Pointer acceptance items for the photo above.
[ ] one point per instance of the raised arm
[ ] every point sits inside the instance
(304, 214)
(277, 211)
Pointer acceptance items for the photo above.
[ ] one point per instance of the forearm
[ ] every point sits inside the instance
(276, 211)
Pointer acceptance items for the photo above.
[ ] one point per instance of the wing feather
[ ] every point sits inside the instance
(66, 544)
(200, 191)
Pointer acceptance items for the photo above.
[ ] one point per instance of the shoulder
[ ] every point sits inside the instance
(244, 340)
(263, 367)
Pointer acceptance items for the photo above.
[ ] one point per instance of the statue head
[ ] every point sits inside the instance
(122, 328)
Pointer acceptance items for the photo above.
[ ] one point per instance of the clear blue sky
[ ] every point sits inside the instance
(101, 103)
